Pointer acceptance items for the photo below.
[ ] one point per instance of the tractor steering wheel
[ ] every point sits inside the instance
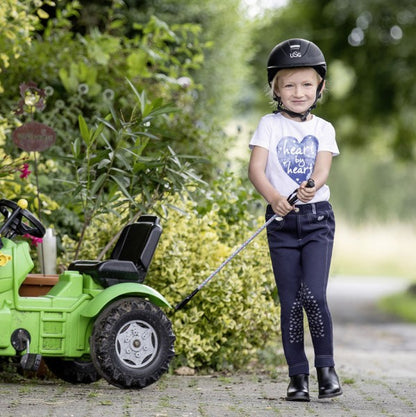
(19, 221)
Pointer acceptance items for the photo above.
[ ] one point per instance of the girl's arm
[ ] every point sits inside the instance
(256, 174)
(319, 175)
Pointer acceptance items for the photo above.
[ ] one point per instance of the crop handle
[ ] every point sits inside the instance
(293, 198)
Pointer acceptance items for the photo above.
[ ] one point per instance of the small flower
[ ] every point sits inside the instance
(30, 86)
(83, 89)
(33, 98)
(24, 171)
(60, 104)
(184, 82)
(49, 90)
(35, 241)
(108, 94)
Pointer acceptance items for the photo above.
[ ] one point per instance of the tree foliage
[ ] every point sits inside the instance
(84, 78)
(368, 45)
(225, 34)
(17, 22)
(113, 172)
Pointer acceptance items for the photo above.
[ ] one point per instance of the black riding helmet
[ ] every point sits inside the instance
(296, 53)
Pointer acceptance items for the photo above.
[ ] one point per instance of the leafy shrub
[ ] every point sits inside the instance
(235, 315)
(80, 84)
(231, 318)
(102, 230)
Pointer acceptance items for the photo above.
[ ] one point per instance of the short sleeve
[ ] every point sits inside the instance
(327, 140)
(262, 134)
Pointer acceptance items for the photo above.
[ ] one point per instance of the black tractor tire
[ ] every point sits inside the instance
(73, 371)
(132, 343)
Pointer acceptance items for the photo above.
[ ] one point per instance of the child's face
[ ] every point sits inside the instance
(297, 88)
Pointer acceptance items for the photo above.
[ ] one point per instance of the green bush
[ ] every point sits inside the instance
(401, 305)
(102, 230)
(235, 315)
(73, 71)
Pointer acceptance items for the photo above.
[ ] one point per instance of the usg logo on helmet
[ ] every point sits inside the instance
(295, 51)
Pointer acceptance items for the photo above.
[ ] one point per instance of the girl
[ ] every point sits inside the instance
(289, 147)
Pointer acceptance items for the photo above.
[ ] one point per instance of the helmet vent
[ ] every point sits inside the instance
(295, 51)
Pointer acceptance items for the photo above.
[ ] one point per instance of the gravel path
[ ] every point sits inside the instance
(375, 355)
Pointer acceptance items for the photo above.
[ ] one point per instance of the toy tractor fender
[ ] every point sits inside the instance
(96, 305)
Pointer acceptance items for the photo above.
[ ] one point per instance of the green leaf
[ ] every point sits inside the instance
(76, 147)
(123, 160)
(107, 124)
(122, 188)
(98, 183)
(140, 97)
(83, 127)
(97, 132)
(77, 190)
(103, 163)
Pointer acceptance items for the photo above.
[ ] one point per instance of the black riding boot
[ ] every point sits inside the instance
(328, 381)
(298, 389)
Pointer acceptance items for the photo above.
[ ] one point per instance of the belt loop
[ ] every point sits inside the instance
(313, 208)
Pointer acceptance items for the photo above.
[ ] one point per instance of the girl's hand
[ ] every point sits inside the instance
(280, 206)
(306, 194)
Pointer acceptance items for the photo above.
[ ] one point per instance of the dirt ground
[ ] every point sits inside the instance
(376, 362)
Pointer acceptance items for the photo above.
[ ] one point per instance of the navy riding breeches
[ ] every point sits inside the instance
(301, 249)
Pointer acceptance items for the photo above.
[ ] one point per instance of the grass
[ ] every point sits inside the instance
(375, 249)
(379, 250)
(402, 305)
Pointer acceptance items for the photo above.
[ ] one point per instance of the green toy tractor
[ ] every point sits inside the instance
(96, 319)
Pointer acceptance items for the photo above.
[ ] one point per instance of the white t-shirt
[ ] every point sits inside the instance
(293, 147)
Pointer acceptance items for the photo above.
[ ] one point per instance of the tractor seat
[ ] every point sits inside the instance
(130, 259)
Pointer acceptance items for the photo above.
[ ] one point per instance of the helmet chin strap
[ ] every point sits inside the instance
(302, 116)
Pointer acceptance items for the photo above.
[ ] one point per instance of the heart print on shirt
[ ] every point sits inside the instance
(297, 158)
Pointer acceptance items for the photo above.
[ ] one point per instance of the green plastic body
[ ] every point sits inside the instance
(60, 322)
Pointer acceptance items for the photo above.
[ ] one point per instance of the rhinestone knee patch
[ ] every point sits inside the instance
(305, 300)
